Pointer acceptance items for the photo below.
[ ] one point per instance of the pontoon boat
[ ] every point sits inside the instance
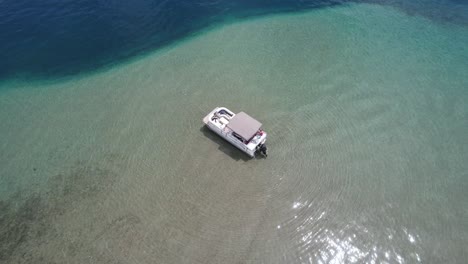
(240, 129)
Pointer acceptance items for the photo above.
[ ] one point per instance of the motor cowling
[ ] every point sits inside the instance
(263, 150)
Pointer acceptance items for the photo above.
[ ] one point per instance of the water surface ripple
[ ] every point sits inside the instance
(51, 39)
(366, 110)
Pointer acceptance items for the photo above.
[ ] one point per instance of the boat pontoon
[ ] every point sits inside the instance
(241, 130)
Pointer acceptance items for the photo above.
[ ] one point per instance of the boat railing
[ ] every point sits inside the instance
(225, 112)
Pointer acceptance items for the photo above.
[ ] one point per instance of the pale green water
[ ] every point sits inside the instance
(367, 117)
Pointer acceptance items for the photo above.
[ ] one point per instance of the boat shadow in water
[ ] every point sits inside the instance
(225, 146)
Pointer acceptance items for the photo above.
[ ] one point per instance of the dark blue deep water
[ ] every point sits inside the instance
(55, 38)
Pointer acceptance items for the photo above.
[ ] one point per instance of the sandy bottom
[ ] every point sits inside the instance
(367, 117)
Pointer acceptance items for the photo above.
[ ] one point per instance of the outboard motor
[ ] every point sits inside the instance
(263, 150)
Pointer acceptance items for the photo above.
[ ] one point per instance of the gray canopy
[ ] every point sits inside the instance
(244, 125)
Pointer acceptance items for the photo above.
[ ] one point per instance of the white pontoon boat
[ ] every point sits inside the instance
(239, 129)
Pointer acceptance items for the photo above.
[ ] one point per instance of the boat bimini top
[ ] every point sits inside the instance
(244, 125)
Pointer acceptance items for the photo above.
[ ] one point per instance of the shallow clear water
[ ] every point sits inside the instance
(366, 111)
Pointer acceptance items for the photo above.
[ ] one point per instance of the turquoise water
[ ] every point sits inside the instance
(366, 112)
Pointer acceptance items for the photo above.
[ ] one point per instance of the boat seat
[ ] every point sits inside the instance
(223, 120)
